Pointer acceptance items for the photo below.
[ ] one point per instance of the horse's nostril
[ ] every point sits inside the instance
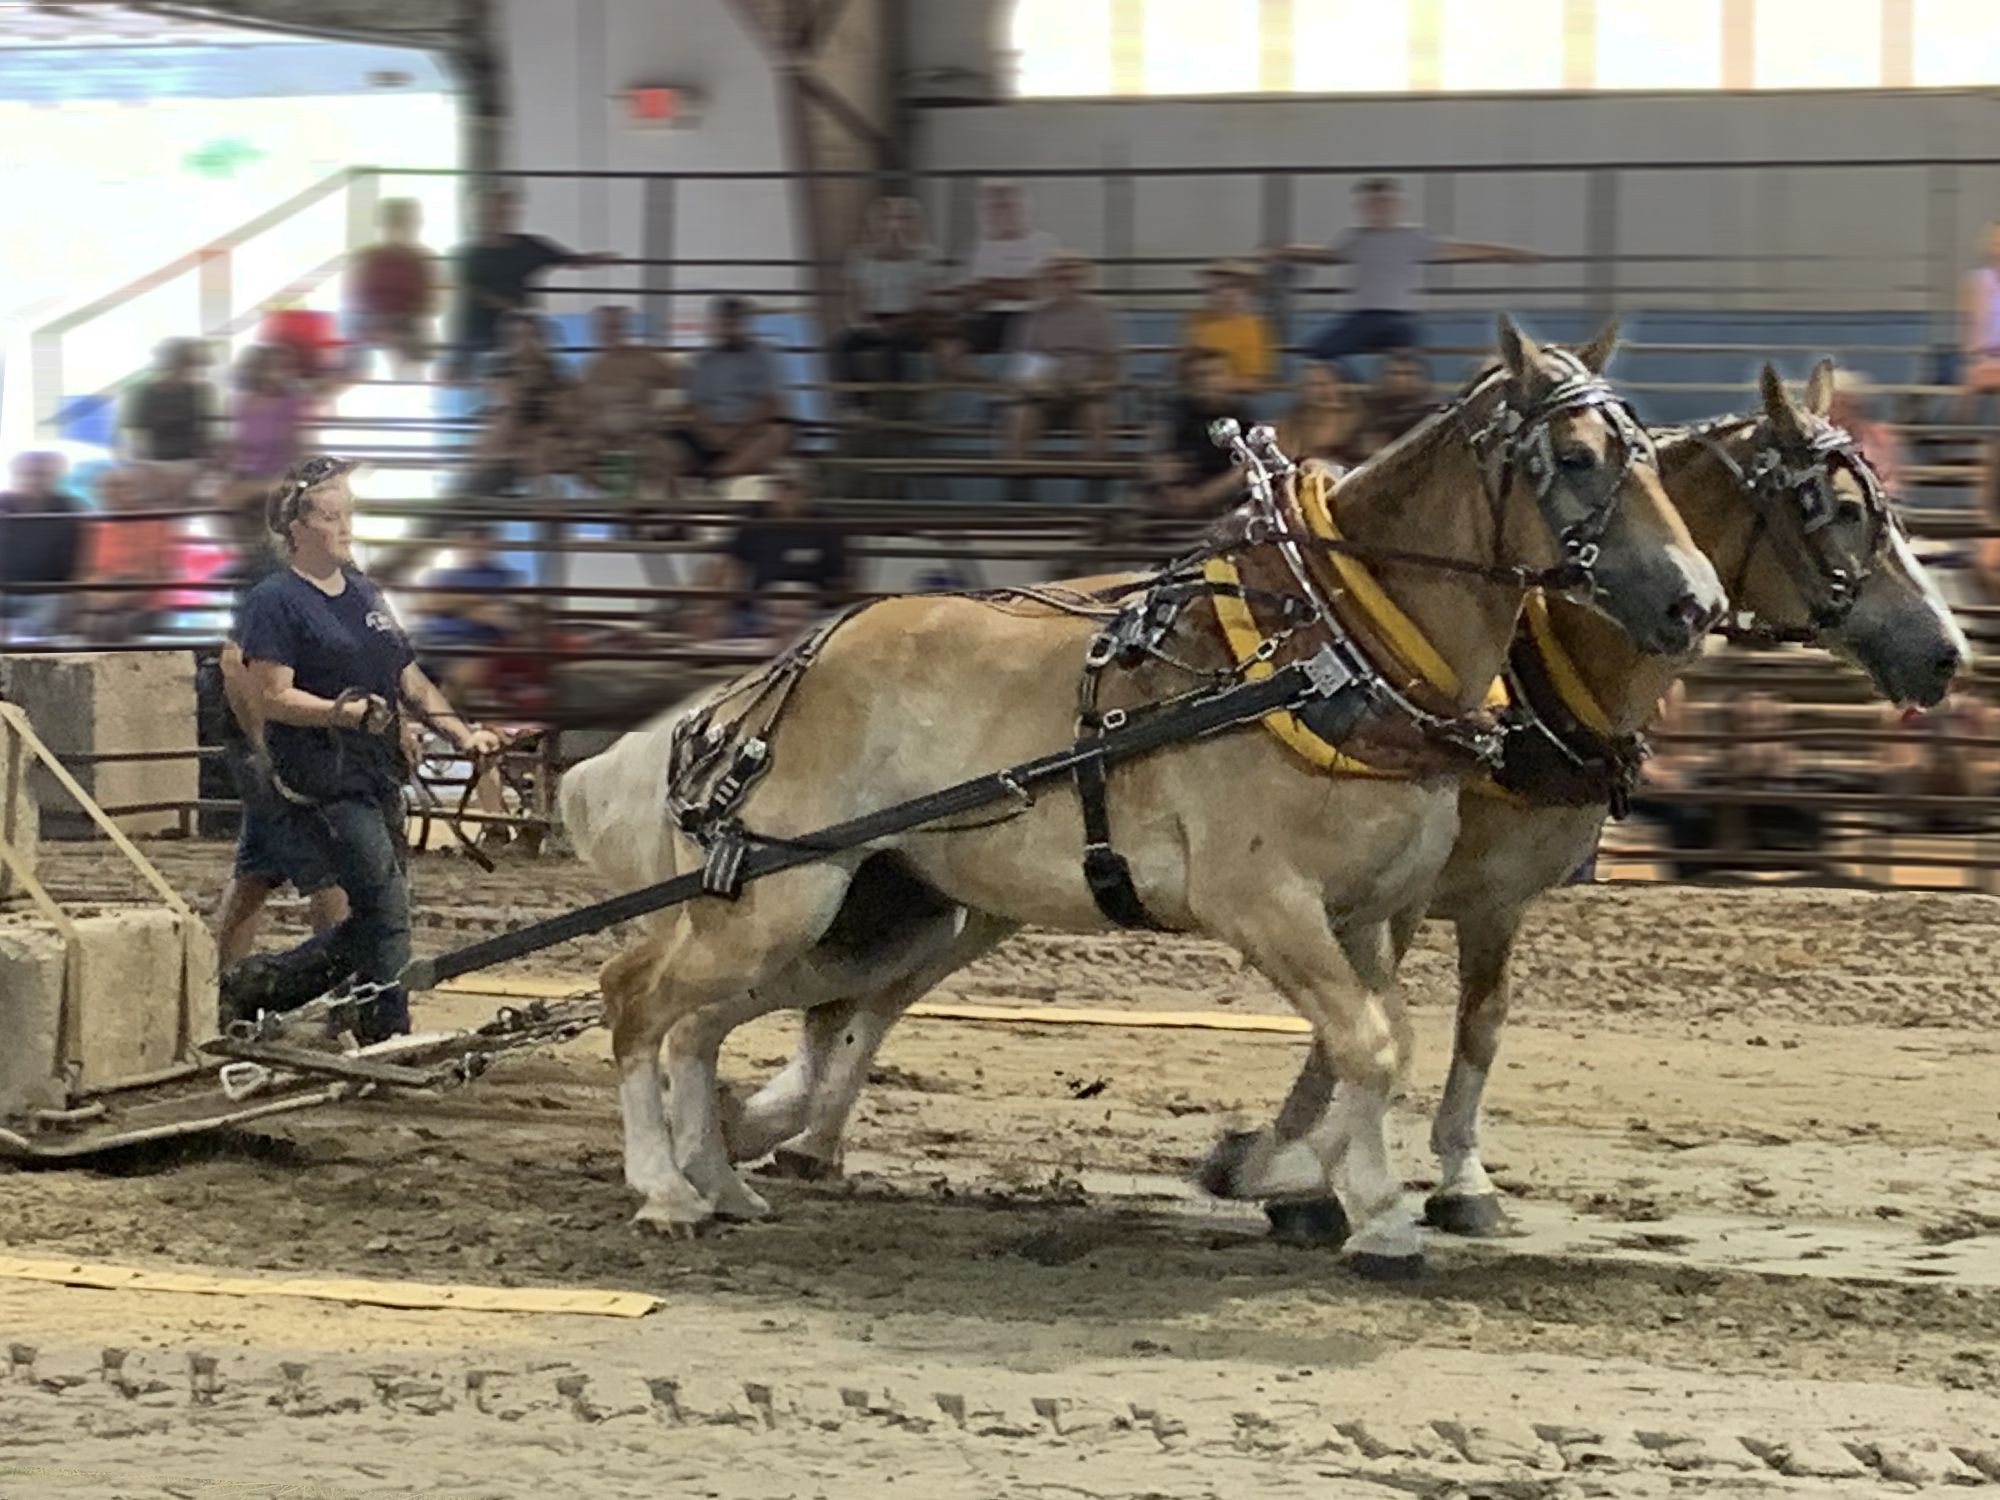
(1697, 617)
(1947, 662)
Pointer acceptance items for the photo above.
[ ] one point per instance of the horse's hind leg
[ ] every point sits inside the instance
(847, 1044)
(1465, 1201)
(777, 1111)
(638, 1024)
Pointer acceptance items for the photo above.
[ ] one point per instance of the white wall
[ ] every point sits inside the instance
(1883, 214)
(568, 65)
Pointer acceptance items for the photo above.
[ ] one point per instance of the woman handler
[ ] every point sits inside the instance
(329, 669)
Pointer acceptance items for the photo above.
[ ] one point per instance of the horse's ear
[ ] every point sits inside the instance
(1778, 405)
(1518, 352)
(1596, 354)
(1819, 389)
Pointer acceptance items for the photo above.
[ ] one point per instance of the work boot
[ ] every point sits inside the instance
(274, 982)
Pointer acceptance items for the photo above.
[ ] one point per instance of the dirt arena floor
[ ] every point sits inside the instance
(1750, 1133)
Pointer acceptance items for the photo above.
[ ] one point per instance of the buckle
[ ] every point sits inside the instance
(1112, 720)
(1102, 648)
(1326, 673)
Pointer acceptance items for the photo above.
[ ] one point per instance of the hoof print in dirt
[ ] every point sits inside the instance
(1308, 1221)
(796, 1166)
(1370, 1267)
(1481, 1216)
(1223, 1169)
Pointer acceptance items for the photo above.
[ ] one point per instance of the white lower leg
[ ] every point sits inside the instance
(699, 1148)
(649, 1151)
(843, 1076)
(1455, 1133)
(779, 1110)
(1369, 1190)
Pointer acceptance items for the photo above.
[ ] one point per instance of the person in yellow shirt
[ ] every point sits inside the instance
(1228, 321)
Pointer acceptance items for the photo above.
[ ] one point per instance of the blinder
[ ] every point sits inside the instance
(1774, 479)
(1524, 443)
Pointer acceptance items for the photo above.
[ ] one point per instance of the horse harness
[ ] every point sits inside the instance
(1340, 674)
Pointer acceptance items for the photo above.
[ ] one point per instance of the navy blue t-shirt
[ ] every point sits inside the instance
(332, 643)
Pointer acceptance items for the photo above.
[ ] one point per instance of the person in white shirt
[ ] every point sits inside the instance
(1388, 257)
(1006, 269)
(892, 277)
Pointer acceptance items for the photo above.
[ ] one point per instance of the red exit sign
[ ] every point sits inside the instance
(661, 106)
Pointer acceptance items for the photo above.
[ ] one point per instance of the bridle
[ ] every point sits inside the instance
(1774, 481)
(1511, 439)
(1519, 440)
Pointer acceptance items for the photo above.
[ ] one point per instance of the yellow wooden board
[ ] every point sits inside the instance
(1056, 1015)
(413, 1295)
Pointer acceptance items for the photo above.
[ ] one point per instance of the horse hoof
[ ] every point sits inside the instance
(1371, 1267)
(675, 1226)
(1479, 1216)
(1308, 1221)
(796, 1166)
(1220, 1175)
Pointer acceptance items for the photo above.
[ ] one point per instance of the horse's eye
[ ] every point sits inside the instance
(1575, 460)
(1848, 512)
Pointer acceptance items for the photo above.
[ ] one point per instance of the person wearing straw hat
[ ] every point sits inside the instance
(330, 673)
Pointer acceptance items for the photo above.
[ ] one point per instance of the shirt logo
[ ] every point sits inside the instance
(378, 619)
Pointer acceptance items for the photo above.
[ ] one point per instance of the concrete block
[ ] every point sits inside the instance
(97, 703)
(20, 826)
(129, 999)
(31, 981)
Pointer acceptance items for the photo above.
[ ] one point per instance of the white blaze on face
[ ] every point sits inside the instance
(1904, 558)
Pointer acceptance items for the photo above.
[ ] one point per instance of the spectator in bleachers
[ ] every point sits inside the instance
(1920, 764)
(892, 277)
(1325, 418)
(780, 548)
(1979, 326)
(735, 421)
(391, 294)
(166, 419)
(495, 275)
(125, 546)
(623, 389)
(41, 541)
(531, 411)
(1401, 398)
(1063, 363)
(1191, 477)
(487, 618)
(1855, 407)
(1387, 256)
(1005, 278)
(1227, 321)
(266, 421)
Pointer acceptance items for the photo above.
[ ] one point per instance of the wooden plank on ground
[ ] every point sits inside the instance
(415, 1296)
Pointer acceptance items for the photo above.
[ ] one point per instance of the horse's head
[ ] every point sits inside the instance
(1826, 556)
(1579, 488)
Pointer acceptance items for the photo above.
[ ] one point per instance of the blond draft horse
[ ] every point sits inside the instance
(1230, 835)
(1787, 510)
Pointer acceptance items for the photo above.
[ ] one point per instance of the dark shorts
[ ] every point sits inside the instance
(702, 455)
(988, 332)
(273, 845)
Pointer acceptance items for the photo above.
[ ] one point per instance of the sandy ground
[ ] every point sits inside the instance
(1751, 1134)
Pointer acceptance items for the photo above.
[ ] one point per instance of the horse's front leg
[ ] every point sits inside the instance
(1343, 982)
(1465, 1201)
